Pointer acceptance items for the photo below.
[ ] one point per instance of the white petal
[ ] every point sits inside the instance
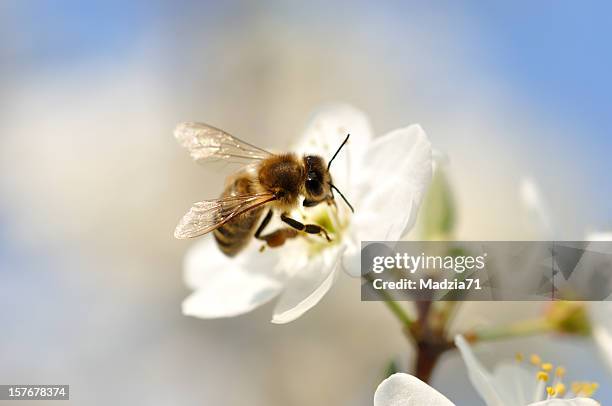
(204, 262)
(394, 179)
(567, 402)
(407, 390)
(308, 285)
(515, 383)
(481, 378)
(351, 260)
(226, 287)
(325, 133)
(601, 315)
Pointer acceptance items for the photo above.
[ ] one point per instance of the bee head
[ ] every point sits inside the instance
(318, 184)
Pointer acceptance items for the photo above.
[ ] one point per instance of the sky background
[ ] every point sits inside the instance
(92, 182)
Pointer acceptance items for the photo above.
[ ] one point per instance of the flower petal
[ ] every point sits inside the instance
(223, 286)
(407, 390)
(393, 181)
(515, 383)
(601, 314)
(307, 286)
(567, 402)
(325, 133)
(481, 378)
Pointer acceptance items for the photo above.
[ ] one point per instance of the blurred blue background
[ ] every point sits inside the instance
(92, 183)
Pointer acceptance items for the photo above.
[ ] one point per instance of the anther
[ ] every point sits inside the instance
(535, 359)
(560, 372)
(560, 389)
(542, 376)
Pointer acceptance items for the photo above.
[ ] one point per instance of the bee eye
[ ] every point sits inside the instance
(314, 186)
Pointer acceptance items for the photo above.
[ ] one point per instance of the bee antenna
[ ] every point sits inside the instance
(338, 150)
(341, 195)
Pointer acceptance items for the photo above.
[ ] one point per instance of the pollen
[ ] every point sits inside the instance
(535, 359)
(542, 376)
(547, 366)
(519, 357)
(550, 390)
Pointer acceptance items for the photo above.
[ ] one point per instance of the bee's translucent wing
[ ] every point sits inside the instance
(207, 143)
(207, 215)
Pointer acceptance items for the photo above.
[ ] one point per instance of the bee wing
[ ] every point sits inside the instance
(207, 143)
(207, 215)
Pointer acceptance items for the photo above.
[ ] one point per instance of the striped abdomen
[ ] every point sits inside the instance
(234, 235)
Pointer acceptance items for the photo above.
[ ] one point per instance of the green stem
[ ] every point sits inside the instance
(397, 310)
(518, 329)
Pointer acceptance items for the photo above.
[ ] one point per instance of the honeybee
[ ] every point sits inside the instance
(267, 180)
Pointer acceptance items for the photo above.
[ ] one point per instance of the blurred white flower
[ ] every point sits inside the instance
(509, 385)
(512, 383)
(383, 178)
(406, 390)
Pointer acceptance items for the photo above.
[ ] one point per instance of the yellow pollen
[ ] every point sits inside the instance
(547, 366)
(560, 389)
(560, 372)
(542, 376)
(577, 387)
(550, 390)
(535, 359)
(518, 356)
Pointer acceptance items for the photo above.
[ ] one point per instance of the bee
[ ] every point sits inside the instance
(266, 181)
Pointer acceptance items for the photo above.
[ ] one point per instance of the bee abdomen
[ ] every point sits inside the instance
(234, 235)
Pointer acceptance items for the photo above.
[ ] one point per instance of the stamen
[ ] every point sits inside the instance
(584, 388)
(518, 357)
(547, 366)
(577, 387)
(551, 391)
(539, 389)
(589, 388)
(535, 359)
(560, 372)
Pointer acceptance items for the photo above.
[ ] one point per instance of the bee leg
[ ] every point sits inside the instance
(263, 224)
(307, 228)
(278, 237)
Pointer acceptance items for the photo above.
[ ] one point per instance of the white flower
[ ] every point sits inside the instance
(601, 313)
(509, 385)
(406, 390)
(513, 383)
(384, 179)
